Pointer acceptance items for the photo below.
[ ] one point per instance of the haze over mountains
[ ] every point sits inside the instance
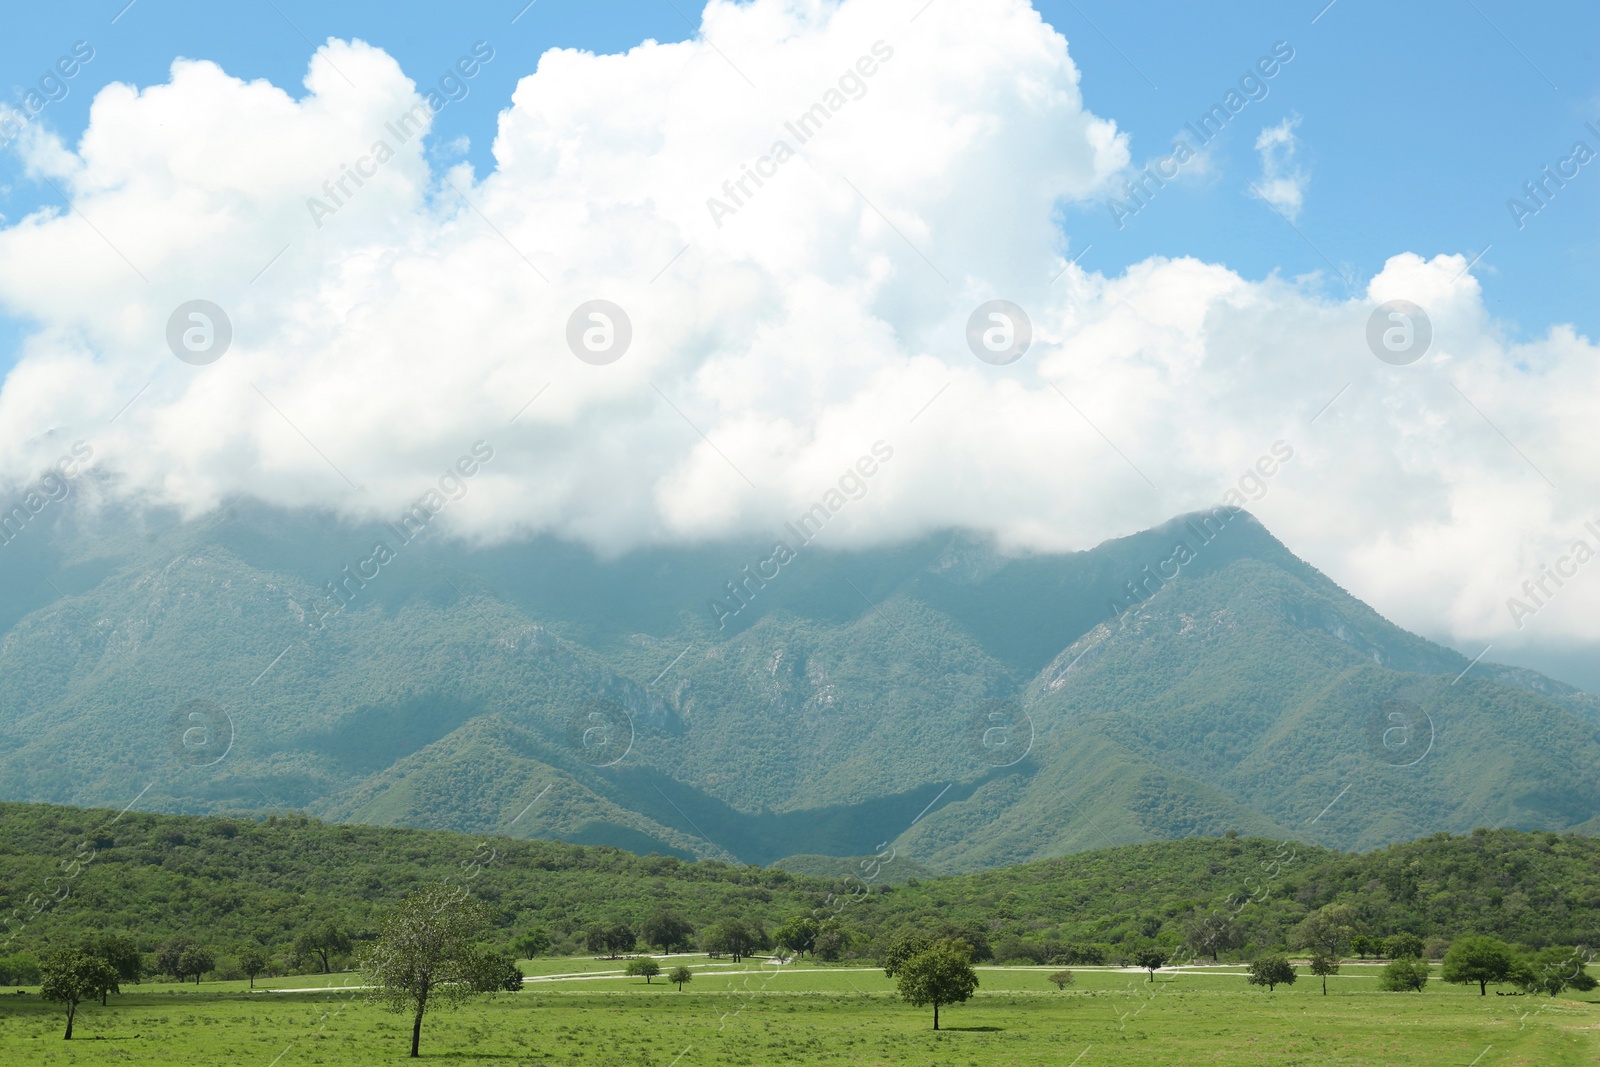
(971, 708)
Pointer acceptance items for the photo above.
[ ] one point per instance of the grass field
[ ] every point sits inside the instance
(758, 1014)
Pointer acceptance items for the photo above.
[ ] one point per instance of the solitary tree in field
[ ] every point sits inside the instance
(1062, 979)
(942, 974)
(1322, 965)
(424, 954)
(1152, 960)
(645, 967)
(1407, 974)
(252, 961)
(1553, 970)
(1271, 971)
(71, 977)
(680, 974)
(1478, 959)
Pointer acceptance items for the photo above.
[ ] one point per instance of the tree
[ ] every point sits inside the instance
(907, 943)
(1401, 946)
(1151, 959)
(680, 974)
(1328, 930)
(832, 942)
(734, 937)
(536, 942)
(1062, 979)
(195, 962)
(667, 931)
(1478, 959)
(643, 966)
(1551, 971)
(1211, 932)
(1407, 974)
(252, 961)
(1271, 971)
(72, 976)
(320, 942)
(121, 952)
(1363, 945)
(798, 935)
(424, 953)
(941, 974)
(169, 955)
(493, 971)
(611, 938)
(1322, 965)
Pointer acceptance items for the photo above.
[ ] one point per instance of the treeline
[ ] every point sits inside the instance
(298, 895)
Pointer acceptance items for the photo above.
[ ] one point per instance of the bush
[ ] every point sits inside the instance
(1407, 975)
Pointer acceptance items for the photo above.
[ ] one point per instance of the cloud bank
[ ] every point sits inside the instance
(797, 214)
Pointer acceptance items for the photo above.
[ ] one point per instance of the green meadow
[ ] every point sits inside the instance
(583, 1011)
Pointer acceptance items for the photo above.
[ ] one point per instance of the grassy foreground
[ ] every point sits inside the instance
(760, 1015)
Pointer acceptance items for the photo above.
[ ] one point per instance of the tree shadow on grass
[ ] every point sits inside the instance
(971, 1029)
(473, 1055)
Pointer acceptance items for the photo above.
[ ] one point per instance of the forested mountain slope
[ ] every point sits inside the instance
(971, 707)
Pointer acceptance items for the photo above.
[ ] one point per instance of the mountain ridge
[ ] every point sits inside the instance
(975, 706)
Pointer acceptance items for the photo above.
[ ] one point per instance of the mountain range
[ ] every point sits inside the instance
(966, 706)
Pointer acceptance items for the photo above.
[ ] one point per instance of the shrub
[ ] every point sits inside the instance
(1404, 976)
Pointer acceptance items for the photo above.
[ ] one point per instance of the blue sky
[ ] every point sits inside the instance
(1416, 121)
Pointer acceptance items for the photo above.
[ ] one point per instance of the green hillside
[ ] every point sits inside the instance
(971, 708)
(239, 883)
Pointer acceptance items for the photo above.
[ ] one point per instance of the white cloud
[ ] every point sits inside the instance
(1281, 184)
(820, 316)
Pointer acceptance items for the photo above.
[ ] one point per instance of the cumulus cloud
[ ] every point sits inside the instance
(780, 326)
(1281, 184)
